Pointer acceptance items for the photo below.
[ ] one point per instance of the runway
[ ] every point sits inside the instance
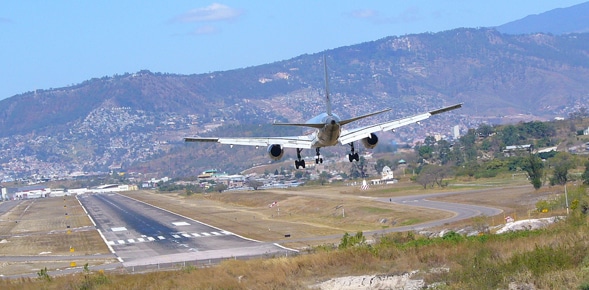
(142, 234)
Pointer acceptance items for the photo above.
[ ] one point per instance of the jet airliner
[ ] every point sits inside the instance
(329, 131)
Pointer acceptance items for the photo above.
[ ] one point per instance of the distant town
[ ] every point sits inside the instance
(112, 139)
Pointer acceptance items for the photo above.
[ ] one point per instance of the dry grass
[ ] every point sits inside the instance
(474, 263)
(301, 213)
(41, 227)
(16, 268)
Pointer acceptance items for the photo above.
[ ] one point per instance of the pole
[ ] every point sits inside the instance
(566, 198)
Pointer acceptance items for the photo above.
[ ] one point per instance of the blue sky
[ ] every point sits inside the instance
(52, 44)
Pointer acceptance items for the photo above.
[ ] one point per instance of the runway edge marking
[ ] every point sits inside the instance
(177, 214)
(99, 232)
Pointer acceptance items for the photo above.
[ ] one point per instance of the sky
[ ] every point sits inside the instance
(58, 43)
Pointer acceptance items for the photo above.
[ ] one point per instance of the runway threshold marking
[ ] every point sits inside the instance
(145, 239)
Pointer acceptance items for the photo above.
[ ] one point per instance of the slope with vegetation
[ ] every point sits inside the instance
(137, 118)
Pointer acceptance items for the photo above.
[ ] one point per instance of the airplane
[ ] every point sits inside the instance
(329, 131)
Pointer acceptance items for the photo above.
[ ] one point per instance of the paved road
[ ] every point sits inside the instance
(141, 234)
(460, 212)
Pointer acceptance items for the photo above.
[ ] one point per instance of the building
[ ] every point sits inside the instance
(26, 192)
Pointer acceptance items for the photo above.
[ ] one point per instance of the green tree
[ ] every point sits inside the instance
(485, 130)
(254, 183)
(510, 135)
(469, 146)
(324, 177)
(349, 241)
(381, 163)
(219, 187)
(358, 169)
(444, 151)
(562, 162)
(425, 152)
(585, 175)
(534, 167)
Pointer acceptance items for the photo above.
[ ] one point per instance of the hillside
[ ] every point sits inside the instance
(133, 119)
(574, 19)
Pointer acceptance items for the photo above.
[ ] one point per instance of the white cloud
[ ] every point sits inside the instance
(207, 29)
(213, 12)
(364, 13)
(411, 14)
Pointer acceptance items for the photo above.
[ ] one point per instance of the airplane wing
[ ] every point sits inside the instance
(303, 142)
(349, 136)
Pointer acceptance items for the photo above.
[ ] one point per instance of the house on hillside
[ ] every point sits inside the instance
(513, 149)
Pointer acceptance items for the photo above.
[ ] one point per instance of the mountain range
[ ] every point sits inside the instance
(136, 121)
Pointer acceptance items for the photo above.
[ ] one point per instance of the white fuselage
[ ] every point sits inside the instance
(329, 134)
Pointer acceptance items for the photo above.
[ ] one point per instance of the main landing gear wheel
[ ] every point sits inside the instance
(354, 155)
(318, 159)
(299, 162)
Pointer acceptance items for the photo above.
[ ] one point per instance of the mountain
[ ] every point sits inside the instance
(137, 120)
(574, 19)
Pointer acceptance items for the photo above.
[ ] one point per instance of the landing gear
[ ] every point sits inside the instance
(318, 159)
(354, 155)
(299, 162)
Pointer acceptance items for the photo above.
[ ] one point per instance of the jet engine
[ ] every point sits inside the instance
(275, 151)
(370, 142)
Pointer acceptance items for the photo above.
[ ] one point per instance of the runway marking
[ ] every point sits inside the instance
(178, 224)
(145, 238)
(118, 229)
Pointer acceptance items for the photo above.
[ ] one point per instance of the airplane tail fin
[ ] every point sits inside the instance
(327, 99)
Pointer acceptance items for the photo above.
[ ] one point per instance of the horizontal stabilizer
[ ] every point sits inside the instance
(317, 126)
(200, 139)
(446, 109)
(343, 122)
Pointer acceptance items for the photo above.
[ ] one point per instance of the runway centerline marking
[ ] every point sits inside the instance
(179, 224)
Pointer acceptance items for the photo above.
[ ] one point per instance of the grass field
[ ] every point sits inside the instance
(53, 227)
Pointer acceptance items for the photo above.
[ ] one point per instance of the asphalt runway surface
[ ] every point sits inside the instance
(141, 234)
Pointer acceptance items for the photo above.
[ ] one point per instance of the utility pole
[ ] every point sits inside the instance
(566, 198)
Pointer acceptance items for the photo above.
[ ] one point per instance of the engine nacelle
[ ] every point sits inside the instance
(275, 151)
(370, 142)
